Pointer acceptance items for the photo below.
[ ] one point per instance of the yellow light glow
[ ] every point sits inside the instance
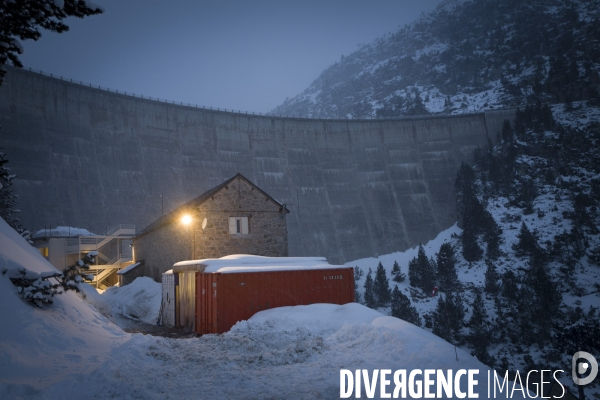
(186, 219)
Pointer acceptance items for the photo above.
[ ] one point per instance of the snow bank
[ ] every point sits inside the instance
(91, 295)
(41, 346)
(69, 350)
(139, 300)
(289, 352)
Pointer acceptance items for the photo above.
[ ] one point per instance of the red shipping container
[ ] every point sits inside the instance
(222, 299)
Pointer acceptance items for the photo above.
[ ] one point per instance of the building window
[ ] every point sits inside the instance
(44, 251)
(238, 225)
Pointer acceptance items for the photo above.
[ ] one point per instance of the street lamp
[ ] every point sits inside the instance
(187, 220)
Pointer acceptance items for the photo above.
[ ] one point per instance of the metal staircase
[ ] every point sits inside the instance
(111, 252)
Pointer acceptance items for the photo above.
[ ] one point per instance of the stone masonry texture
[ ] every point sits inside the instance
(173, 242)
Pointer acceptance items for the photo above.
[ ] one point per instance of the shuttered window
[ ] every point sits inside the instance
(238, 226)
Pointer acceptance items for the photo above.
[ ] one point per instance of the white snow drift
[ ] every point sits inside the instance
(69, 350)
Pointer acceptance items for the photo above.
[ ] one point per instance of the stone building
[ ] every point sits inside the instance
(235, 217)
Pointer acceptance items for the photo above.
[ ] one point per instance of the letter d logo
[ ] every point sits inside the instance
(583, 368)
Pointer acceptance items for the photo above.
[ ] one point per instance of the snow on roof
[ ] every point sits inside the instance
(62, 231)
(128, 268)
(238, 263)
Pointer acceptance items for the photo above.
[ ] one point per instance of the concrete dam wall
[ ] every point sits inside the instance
(91, 158)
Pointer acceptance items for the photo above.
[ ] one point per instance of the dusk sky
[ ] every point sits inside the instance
(246, 55)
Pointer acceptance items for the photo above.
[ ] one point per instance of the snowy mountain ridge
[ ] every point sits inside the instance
(539, 295)
(465, 56)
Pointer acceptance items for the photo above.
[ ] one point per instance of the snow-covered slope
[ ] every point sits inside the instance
(288, 352)
(544, 175)
(68, 350)
(465, 56)
(39, 347)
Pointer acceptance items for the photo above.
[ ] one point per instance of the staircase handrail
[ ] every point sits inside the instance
(119, 227)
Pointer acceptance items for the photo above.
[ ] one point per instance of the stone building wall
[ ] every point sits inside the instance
(267, 224)
(161, 248)
(131, 275)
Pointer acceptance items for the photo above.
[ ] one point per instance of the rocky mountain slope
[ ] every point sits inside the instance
(526, 291)
(467, 55)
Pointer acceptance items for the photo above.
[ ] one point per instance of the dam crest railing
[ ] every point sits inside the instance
(232, 111)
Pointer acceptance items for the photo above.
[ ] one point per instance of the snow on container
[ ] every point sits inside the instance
(233, 288)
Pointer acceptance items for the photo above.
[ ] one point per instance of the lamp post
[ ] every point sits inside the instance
(187, 220)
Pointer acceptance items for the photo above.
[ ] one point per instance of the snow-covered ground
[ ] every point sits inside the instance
(70, 350)
(140, 300)
(422, 301)
(39, 347)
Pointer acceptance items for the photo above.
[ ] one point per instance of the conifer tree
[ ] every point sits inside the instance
(448, 318)
(520, 124)
(358, 273)
(491, 278)
(492, 235)
(381, 287)
(479, 336)
(507, 132)
(23, 19)
(421, 271)
(414, 276)
(465, 178)
(470, 212)
(397, 274)
(403, 309)
(471, 250)
(527, 244)
(442, 325)
(446, 268)
(74, 274)
(509, 285)
(8, 200)
(547, 296)
(369, 292)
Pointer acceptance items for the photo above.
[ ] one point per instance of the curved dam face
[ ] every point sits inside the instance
(92, 159)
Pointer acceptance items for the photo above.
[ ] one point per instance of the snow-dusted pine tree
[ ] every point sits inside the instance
(448, 318)
(77, 273)
(397, 274)
(421, 271)
(479, 336)
(358, 273)
(369, 291)
(403, 309)
(491, 278)
(381, 287)
(446, 268)
(527, 244)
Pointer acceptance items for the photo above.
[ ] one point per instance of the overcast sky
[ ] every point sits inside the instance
(244, 54)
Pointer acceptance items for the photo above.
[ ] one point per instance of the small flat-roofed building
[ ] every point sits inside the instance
(212, 295)
(63, 246)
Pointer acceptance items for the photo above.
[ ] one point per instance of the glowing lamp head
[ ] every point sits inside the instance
(186, 219)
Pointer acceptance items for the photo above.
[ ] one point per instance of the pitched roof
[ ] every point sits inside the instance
(174, 215)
